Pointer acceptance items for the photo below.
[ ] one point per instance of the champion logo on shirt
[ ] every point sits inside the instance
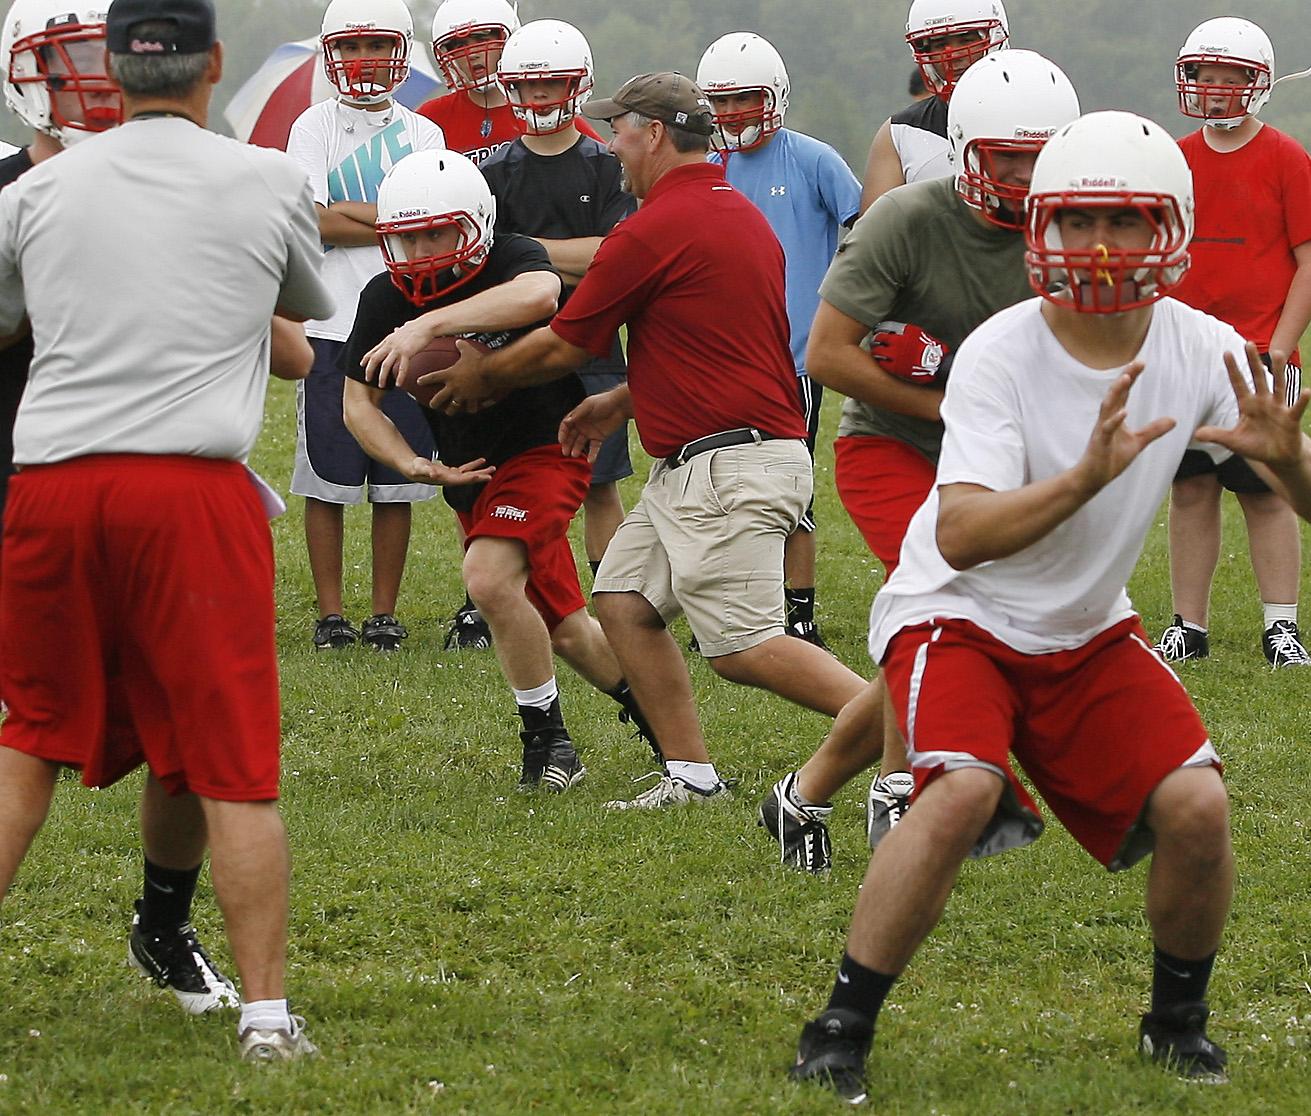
(507, 511)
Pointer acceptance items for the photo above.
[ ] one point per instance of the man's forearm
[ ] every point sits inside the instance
(538, 358)
(1296, 314)
(574, 256)
(511, 305)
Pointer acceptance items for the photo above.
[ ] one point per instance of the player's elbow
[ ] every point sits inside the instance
(957, 544)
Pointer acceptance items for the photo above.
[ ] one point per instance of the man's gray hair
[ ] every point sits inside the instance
(170, 76)
(684, 141)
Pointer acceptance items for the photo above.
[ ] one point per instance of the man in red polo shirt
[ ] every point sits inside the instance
(697, 276)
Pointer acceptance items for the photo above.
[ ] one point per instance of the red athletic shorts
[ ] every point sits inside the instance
(881, 482)
(136, 623)
(1096, 729)
(534, 497)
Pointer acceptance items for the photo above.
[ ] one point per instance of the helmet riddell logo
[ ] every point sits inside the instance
(1204, 49)
(360, 25)
(406, 214)
(938, 20)
(1034, 133)
(1109, 182)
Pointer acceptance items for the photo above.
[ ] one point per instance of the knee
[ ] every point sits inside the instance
(967, 797)
(1193, 817)
(625, 610)
(1193, 493)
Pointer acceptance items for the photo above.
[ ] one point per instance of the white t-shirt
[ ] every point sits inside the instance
(150, 260)
(345, 152)
(1020, 409)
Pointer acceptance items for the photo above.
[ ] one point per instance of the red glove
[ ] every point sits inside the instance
(906, 351)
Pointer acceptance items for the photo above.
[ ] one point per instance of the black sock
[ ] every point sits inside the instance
(537, 720)
(166, 896)
(595, 565)
(801, 605)
(1175, 981)
(860, 989)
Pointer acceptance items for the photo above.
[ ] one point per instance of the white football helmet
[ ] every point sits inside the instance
(56, 68)
(467, 39)
(948, 36)
(1008, 103)
(1109, 161)
(426, 193)
(744, 63)
(367, 81)
(1227, 41)
(546, 50)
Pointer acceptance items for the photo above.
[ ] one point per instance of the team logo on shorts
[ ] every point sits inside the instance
(507, 511)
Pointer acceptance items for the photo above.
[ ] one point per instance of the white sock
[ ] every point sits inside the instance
(700, 775)
(266, 1015)
(1275, 612)
(539, 697)
(1194, 627)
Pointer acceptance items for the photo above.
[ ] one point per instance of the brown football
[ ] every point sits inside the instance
(441, 353)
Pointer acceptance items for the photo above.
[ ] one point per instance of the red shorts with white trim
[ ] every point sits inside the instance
(534, 497)
(136, 623)
(882, 483)
(1096, 729)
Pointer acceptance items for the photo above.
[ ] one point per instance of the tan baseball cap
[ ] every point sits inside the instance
(668, 97)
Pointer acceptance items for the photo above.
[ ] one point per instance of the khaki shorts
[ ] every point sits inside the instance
(706, 540)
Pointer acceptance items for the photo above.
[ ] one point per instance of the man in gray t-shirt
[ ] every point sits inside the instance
(150, 262)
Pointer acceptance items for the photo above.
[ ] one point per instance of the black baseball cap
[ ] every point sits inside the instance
(190, 26)
(668, 97)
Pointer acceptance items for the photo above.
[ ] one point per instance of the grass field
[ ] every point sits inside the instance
(460, 948)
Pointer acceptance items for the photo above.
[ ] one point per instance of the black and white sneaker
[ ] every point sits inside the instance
(1180, 643)
(1176, 1038)
(334, 633)
(563, 767)
(801, 831)
(468, 631)
(832, 1051)
(177, 961)
(889, 799)
(809, 631)
(383, 633)
(1282, 645)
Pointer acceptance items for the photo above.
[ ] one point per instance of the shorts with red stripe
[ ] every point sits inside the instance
(1095, 729)
(136, 623)
(881, 482)
(534, 497)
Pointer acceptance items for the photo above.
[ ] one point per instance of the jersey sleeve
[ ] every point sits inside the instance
(983, 443)
(871, 264)
(1297, 194)
(375, 318)
(13, 303)
(839, 188)
(520, 255)
(619, 282)
(309, 153)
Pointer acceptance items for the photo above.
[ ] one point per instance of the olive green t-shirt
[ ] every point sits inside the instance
(921, 255)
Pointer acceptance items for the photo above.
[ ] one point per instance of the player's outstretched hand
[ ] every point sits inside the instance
(1269, 428)
(464, 386)
(426, 471)
(589, 424)
(1113, 446)
(390, 357)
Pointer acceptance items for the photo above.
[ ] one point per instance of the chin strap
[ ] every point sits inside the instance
(1292, 77)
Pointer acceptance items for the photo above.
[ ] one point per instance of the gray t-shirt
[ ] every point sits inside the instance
(150, 260)
(920, 255)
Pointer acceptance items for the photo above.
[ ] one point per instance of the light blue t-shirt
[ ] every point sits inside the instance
(807, 193)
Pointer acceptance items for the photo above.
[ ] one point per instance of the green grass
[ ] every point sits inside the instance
(460, 948)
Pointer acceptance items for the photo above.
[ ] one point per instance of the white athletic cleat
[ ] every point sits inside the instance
(670, 791)
(258, 1045)
(889, 799)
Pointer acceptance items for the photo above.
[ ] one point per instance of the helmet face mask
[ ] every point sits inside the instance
(981, 181)
(57, 74)
(738, 65)
(546, 51)
(468, 58)
(424, 277)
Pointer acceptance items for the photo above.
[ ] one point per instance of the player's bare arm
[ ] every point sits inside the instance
(835, 359)
(521, 301)
(538, 358)
(1269, 430)
(1296, 314)
(343, 231)
(589, 424)
(290, 355)
(882, 168)
(571, 257)
(977, 524)
(379, 438)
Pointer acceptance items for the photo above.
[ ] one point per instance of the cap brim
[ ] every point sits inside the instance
(606, 109)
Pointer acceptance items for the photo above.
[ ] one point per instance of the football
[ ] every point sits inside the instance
(441, 353)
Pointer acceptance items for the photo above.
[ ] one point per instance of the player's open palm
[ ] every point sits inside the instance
(1113, 446)
(584, 428)
(1269, 428)
(426, 471)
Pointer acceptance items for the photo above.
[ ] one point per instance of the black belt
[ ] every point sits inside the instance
(741, 437)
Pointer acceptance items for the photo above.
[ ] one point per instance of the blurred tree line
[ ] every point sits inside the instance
(847, 59)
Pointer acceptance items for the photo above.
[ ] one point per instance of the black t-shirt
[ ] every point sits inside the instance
(524, 419)
(929, 115)
(16, 360)
(560, 197)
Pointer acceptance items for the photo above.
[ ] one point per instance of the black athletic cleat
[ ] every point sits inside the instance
(1176, 1038)
(800, 831)
(383, 632)
(563, 767)
(1181, 644)
(177, 961)
(334, 633)
(468, 631)
(809, 631)
(1282, 645)
(832, 1051)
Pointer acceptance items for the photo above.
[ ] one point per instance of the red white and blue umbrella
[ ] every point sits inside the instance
(292, 78)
